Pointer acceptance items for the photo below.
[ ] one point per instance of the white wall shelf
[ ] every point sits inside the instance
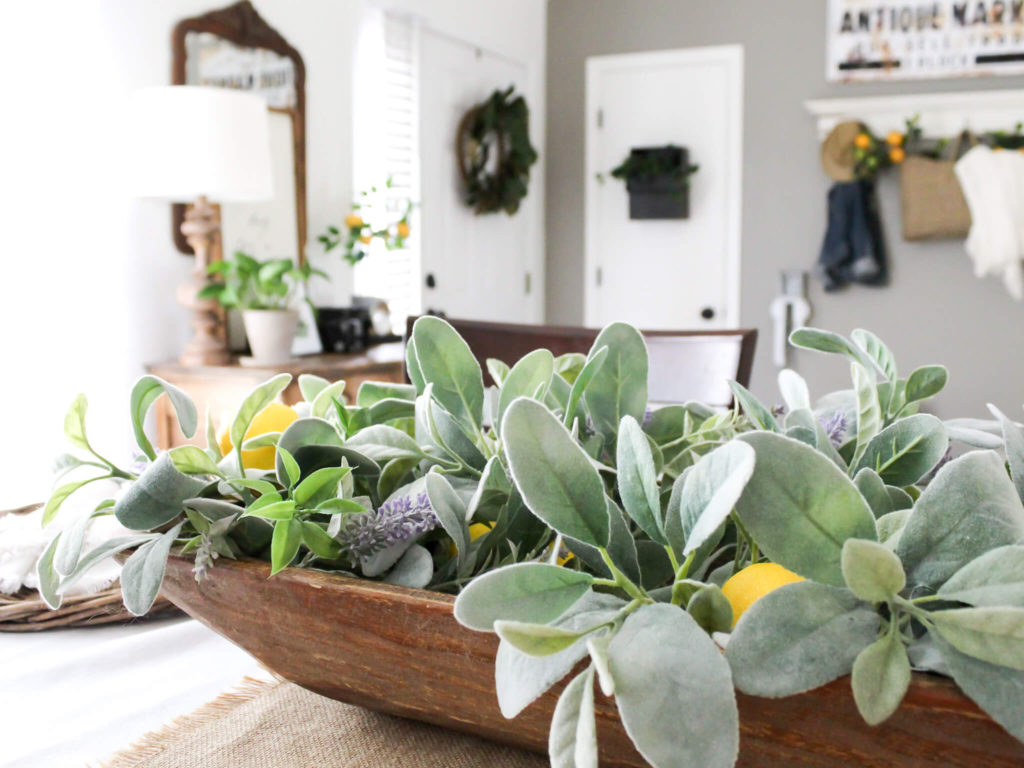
(942, 114)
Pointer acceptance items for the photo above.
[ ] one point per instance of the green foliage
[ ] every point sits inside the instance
(661, 163)
(578, 526)
(500, 124)
(248, 283)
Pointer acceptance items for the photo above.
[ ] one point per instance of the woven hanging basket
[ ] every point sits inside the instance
(25, 611)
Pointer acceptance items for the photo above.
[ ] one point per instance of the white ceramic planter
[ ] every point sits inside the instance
(270, 333)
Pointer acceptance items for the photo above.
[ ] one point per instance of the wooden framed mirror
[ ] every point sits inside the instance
(234, 47)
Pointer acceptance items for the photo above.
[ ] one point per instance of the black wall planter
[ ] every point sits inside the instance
(660, 197)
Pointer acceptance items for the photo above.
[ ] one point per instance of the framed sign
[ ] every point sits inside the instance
(872, 40)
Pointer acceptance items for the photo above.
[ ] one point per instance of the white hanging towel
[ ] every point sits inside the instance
(993, 185)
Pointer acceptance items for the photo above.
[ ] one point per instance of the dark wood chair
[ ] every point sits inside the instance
(684, 365)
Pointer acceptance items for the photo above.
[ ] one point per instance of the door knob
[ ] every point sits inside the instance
(431, 281)
(707, 313)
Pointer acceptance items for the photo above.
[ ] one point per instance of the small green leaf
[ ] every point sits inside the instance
(255, 401)
(926, 381)
(47, 576)
(1013, 439)
(70, 548)
(881, 676)
(74, 424)
(157, 497)
(340, 506)
(530, 377)
(446, 361)
(758, 413)
(828, 342)
(877, 352)
(285, 543)
(450, 511)
(310, 386)
(143, 572)
(594, 362)
(572, 740)
(535, 639)
(292, 473)
(711, 609)
(794, 390)
(319, 541)
(325, 398)
(372, 392)
(906, 450)
(262, 441)
(637, 481)
(145, 392)
(872, 572)
(383, 444)
(869, 411)
(532, 592)
(711, 490)
(319, 482)
(995, 635)
(619, 386)
(274, 510)
(414, 569)
(59, 496)
(193, 460)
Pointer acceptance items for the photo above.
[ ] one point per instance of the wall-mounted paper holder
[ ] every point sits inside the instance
(789, 310)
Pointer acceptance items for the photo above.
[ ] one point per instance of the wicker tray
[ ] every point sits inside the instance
(25, 611)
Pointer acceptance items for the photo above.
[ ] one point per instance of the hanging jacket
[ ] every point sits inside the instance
(853, 250)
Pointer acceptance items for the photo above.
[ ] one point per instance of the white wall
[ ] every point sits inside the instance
(91, 276)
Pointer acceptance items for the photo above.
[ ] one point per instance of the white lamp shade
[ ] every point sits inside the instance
(186, 141)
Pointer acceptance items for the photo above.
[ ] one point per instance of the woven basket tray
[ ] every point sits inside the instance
(26, 612)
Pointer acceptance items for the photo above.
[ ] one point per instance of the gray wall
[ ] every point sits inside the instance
(934, 310)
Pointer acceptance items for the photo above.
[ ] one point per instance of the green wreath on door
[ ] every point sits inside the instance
(495, 154)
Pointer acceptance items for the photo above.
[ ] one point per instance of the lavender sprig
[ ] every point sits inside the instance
(401, 519)
(835, 427)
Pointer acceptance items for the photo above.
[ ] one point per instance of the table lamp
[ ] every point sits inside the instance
(198, 145)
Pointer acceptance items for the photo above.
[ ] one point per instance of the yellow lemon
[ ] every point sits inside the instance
(274, 418)
(353, 221)
(365, 239)
(403, 229)
(748, 586)
(897, 155)
(863, 141)
(895, 138)
(476, 530)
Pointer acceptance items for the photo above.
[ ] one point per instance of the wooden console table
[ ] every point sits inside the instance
(222, 387)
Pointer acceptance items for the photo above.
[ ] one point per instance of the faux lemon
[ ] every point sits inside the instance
(862, 141)
(895, 138)
(748, 586)
(402, 229)
(353, 221)
(476, 530)
(274, 418)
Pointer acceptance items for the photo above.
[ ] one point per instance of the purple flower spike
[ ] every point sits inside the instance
(397, 520)
(835, 427)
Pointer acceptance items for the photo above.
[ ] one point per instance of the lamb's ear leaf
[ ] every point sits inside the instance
(658, 658)
(414, 569)
(530, 377)
(255, 401)
(828, 342)
(880, 678)
(996, 689)
(145, 392)
(619, 386)
(877, 352)
(800, 507)
(446, 361)
(157, 496)
(594, 362)
(869, 410)
(311, 385)
(794, 390)
(874, 491)
(533, 592)
(872, 572)
(48, 577)
(1013, 439)
(711, 490)
(973, 496)
(924, 382)
(906, 450)
(554, 475)
(992, 634)
(572, 741)
(993, 579)
(637, 479)
(412, 366)
(799, 637)
(758, 413)
(451, 513)
(143, 572)
(535, 639)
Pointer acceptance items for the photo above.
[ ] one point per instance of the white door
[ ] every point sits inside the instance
(476, 267)
(674, 273)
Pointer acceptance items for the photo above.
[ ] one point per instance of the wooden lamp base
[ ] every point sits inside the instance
(208, 345)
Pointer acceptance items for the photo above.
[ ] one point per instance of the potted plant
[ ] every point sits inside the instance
(658, 181)
(262, 290)
(647, 585)
(360, 234)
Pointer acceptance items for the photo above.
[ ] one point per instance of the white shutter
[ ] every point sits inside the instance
(395, 275)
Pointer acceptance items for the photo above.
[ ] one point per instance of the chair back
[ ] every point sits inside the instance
(684, 365)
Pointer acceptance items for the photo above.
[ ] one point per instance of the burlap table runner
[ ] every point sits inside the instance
(279, 725)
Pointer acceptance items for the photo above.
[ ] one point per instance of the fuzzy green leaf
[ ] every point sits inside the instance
(157, 496)
(880, 678)
(553, 474)
(872, 572)
(924, 382)
(255, 401)
(530, 377)
(535, 639)
(906, 450)
(143, 572)
(285, 543)
(145, 392)
(637, 481)
(619, 386)
(995, 578)
(992, 634)
(572, 740)
(446, 361)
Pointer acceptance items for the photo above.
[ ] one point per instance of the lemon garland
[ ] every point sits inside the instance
(501, 125)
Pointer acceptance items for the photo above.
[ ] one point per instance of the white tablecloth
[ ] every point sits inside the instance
(72, 697)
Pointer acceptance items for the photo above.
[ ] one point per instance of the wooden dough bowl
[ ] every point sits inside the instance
(400, 651)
